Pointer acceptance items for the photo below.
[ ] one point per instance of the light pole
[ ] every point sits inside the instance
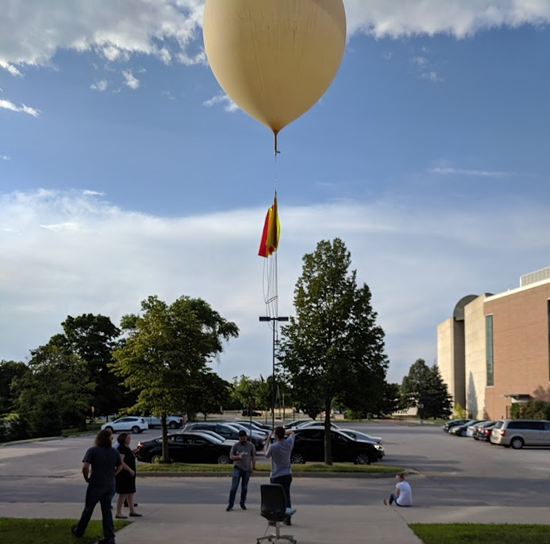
(273, 320)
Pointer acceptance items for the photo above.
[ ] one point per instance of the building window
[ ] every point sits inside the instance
(489, 349)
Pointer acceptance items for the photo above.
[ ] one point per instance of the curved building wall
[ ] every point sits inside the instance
(475, 359)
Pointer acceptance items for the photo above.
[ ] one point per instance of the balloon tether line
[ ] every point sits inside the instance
(275, 132)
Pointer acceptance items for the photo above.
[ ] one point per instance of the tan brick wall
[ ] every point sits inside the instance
(520, 346)
(475, 360)
(450, 358)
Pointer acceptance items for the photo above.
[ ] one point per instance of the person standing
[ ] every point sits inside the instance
(126, 478)
(403, 492)
(243, 455)
(105, 464)
(279, 452)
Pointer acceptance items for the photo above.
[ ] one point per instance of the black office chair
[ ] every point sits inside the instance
(275, 511)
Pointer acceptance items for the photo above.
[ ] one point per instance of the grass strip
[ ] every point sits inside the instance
(479, 533)
(49, 531)
(266, 467)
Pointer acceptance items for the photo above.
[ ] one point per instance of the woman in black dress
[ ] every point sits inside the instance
(126, 478)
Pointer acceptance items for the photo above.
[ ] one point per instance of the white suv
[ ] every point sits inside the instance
(128, 423)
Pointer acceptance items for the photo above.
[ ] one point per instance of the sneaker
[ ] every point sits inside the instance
(287, 521)
(229, 508)
(243, 506)
(74, 531)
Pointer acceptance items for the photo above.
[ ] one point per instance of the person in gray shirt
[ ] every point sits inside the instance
(279, 452)
(243, 455)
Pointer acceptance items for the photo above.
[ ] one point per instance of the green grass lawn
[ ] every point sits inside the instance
(477, 533)
(318, 468)
(49, 531)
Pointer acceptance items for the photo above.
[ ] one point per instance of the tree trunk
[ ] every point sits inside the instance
(165, 452)
(328, 444)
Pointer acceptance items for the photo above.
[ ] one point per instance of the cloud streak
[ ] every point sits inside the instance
(7, 105)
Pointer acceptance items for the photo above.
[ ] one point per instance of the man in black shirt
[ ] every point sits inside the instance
(105, 463)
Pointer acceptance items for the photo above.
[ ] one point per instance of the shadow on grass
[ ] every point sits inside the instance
(49, 531)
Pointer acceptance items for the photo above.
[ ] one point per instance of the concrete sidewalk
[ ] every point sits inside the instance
(207, 524)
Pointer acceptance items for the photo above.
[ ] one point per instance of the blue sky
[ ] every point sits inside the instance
(126, 172)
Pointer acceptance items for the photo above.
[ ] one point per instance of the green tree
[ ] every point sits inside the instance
(9, 370)
(333, 347)
(208, 395)
(92, 338)
(164, 356)
(424, 388)
(54, 393)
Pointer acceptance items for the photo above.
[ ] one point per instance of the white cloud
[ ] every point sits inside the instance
(70, 253)
(130, 80)
(88, 192)
(229, 105)
(450, 171)
(4, 158)
(7, 105)
(459, 18)
(10, 68)
(99, 85)
(171, 29)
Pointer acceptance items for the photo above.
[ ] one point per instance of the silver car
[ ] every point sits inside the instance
(521, 432)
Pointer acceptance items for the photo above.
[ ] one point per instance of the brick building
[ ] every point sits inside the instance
(495, 349)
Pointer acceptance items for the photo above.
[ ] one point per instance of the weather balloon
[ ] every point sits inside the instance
(274, 58)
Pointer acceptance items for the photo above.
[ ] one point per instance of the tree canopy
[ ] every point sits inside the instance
(332, 347)
(164, 356)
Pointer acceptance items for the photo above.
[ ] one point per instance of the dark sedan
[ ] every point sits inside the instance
(453, 423)
(228, 431)
(310, 446)
(187, 447)
(483, 431)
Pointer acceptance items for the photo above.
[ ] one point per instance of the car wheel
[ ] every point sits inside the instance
(136, 429)
(223, 459)
(297, 459)
(362, 459)
(173, 425)
(516, 443)
(109, 429)
(156, 459)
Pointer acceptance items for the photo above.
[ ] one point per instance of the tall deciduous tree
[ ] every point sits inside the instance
(333, 347)
(9, 370)
(424, 388)
(92, 338)
(54, 393)
(165, 354)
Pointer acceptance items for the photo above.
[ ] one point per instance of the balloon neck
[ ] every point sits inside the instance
(276, 150)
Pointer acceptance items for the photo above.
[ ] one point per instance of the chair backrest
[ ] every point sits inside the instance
(273, 502)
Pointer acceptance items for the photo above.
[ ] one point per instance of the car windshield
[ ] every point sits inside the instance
(356, 435)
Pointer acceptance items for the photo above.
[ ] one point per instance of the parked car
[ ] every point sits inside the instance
(310, 446)
(453, 422)
(483, 431)
(521, 432)
(469, 430)
(291, 425)
(460, 430)
(356, 435)
(254, 435)
(186, 447)
(254, 427)
(173, 422)
(252, 413)
(316, 425)
(135, 424)
(224, 429)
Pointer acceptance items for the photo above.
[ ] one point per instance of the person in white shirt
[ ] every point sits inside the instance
(403, 492)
